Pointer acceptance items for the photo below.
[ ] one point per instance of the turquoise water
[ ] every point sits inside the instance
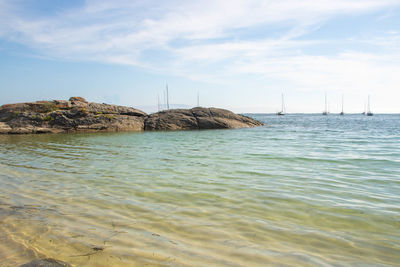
(306, 190)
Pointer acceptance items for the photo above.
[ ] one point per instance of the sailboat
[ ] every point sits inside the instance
(369, 113)
(342, 113)
(364, 113)
(325, 112)
(283, 110)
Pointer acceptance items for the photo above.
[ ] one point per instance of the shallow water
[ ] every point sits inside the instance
(306, 190)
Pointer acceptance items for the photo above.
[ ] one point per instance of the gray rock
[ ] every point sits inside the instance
(46, 263)
(4, 128)
(78, 115)
(63, 104)
(114, 109)
(198, 118)
(77, 99)
(75, 115)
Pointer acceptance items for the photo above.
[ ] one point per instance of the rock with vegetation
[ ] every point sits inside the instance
(46, 263)
(198, 118)
(79, 115)
(68, 116)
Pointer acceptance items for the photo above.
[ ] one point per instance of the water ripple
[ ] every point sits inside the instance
(304, 190)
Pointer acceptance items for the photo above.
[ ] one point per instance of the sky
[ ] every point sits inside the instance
(238, 54)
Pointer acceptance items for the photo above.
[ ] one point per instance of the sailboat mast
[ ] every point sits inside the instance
(198, 99)
(369, 109)
(365, 111)
(158, 102)
(167, 97)
(165, 101)
(342, 104)
(369, 113)
(283, 105)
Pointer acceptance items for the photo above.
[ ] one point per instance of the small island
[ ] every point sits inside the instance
(79, 115)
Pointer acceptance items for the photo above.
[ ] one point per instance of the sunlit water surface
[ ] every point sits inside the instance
(306, 190)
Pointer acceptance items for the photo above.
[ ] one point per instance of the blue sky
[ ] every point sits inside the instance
(238, 54)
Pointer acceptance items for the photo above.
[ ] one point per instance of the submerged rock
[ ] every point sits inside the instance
(46, 263)
(198, 118)
(79, 115)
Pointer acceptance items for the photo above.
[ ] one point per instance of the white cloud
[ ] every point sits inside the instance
(208, 40)
(126, 26)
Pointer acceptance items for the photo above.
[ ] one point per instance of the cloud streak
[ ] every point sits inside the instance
(190, 38)
(100, 27)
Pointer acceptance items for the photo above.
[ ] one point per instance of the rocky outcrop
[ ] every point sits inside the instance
(68, 116)
(79, 115)
(198, 118)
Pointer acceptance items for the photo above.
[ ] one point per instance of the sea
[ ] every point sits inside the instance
(303, 190)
